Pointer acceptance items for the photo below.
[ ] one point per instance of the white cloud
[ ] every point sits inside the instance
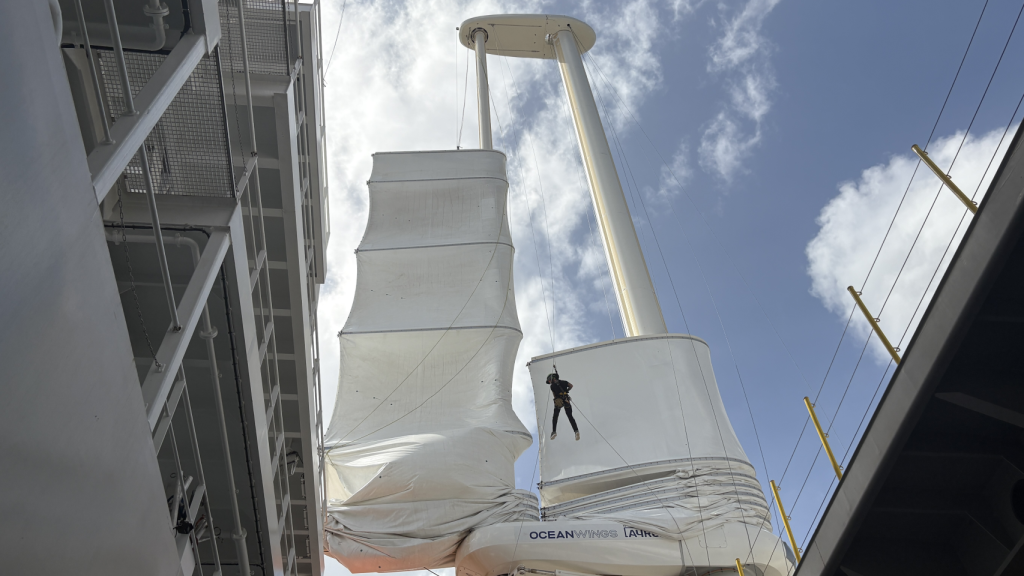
(683, 8)
(855, 221)
(672, 178)
(742, 40)
(740, 54)
(724, 145)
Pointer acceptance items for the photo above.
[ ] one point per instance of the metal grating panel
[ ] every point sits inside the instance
(264, 33)
(188, 148)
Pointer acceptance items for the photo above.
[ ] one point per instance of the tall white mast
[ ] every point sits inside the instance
(638, 303)
(685, 446)
(564, 38)
(483, 106)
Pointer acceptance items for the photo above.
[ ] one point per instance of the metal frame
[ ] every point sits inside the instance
(281, 523)
(238, 224)
(158, 383)
(170, 389)
(107, 162)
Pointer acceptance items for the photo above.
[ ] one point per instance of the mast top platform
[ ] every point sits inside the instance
(525, 35)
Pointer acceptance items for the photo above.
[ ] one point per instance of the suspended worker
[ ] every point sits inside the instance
(560, 390)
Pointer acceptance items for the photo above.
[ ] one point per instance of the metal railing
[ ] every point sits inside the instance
(189, 504)
(311, 203)
(188, 151)
(248, 191)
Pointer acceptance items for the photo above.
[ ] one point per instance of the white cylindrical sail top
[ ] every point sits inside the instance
(656, 451)
(422, 442)
(642, 403)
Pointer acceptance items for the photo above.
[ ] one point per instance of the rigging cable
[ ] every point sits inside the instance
(720, 321)
(581, 412)
(930, 135)
(541, 430)
(867, 409)
(903, 199)
(515, 132)
(925, 222)
(682, 414)
(762, 309)
(962, 217)
(456, 69)
(807, 419)
(336, 36)
(541, 425)
(540, 181)
(707, 224)
(712, 230)
(778, 335)
(917, 237)
(629, 172)
(567, 116)
(465, 91)
(955, 156)
(921, 300)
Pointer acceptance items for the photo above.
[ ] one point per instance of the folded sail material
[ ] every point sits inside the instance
(422, 442)
(657, 450)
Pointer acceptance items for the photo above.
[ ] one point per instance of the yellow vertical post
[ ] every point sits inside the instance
(945, 179)
(824, 438)
(785, 521)
(874, 324)
(739, 567)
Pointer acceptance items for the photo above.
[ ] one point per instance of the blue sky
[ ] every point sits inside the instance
(786, 127)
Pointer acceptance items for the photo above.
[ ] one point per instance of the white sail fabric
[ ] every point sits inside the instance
(657, 451)
(679, 506)
(422, 442)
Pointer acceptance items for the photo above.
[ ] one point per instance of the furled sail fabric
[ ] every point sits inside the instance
(422, 442)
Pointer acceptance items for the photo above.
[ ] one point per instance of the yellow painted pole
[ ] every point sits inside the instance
(945, 179)
(824, 438)
(739, 567)
(874, 324)
(785, 521)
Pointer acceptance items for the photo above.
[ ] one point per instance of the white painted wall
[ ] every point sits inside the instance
(80, 490)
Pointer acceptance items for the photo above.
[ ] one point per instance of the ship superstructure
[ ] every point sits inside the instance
(163, 249)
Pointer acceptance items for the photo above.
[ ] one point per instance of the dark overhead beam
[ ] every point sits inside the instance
(1014, 563)
(982, 407)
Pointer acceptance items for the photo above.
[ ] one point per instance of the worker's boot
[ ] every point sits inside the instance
(577, 434)
(553, 434)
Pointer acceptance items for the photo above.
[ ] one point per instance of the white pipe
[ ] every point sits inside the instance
(638, 302)
(483, 103)
(208, 333)
(149, 38)
(156, 10)
(161, 252)
(97, 91)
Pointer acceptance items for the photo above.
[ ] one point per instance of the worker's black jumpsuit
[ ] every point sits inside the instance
(560, 388)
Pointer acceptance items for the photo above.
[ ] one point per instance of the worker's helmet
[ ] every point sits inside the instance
(552, 378)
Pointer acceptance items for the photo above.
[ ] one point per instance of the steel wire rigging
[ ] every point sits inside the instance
(948, 245)
(635, 189)
(857, 431)
(543, 422)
